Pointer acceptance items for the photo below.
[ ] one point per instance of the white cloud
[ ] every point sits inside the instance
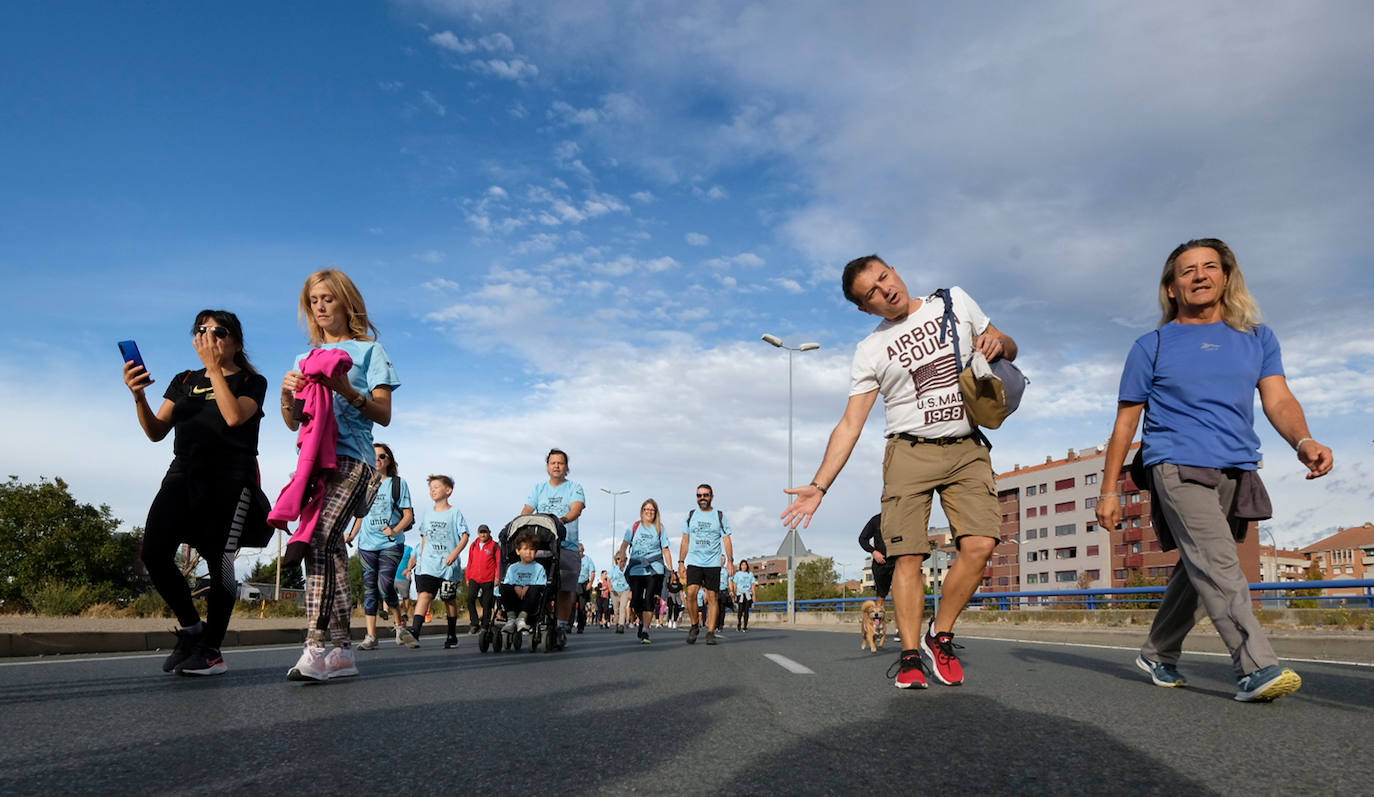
(433, 256)
(390, 86)
(712, 194)
(496, 192)
(440, 285)
(433, 104)
(517, 69)
(697, 239)
(788, 285)
(747, 259)
(643, 197)
(449, 41)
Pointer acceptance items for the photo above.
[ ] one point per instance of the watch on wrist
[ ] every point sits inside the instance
(359, 401)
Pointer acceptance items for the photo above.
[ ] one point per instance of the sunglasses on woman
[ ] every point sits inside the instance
(219, 332)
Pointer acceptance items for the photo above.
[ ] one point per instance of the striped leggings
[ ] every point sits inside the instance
(327, 597)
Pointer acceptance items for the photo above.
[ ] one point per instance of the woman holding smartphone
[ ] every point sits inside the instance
(214, 412)
(336, 318)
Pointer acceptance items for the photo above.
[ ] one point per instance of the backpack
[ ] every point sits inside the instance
(720, 515)
(991, 390)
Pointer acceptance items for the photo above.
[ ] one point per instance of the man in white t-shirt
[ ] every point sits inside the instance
(931, 447)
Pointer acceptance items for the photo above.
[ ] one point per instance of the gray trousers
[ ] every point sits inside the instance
(1208, 578)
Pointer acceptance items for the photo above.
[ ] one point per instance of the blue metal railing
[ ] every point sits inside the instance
(1106, 598)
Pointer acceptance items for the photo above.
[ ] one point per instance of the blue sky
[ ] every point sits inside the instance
(572, 221)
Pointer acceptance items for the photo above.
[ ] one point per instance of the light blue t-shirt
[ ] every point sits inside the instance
(724, 578)
(558, 501)
(406, 556)
(383, 513)
(646, 549)
(1201, 395)
(704, 531)
(525, 575)
(371, 369)
(744, 581)
(588, 567)
(618, 582)
(442, 532)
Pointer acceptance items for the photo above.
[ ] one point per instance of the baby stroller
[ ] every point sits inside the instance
(548, 535)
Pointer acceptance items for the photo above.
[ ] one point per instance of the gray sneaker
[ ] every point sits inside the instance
(404, 637)
(1267, 684)
(369, 643)
(1161, 674)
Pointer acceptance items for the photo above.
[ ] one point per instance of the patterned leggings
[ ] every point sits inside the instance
(379, 577)
(327, 596)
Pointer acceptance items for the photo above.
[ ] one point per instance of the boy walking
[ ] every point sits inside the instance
(444, 535)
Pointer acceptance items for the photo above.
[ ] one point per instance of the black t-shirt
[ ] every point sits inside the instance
(201, 433)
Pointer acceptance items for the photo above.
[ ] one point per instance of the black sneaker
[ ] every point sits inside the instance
(692, 634)
(187, 642)
(710, 637)
(474, 629)
(205, 661)
(620, 629)
(451, 642)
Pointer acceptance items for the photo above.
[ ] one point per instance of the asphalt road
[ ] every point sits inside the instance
(609, 716)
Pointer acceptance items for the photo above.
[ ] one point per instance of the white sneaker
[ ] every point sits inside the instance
(310, 666)
(509, 626)
(404, 637)
(369, 643)
(340, 663)
(520, 625)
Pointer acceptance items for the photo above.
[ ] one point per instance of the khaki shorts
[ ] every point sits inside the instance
(912, 473)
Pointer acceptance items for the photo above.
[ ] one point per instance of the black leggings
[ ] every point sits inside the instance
(515, 604)
(643, 591)
(484, 589)
(743, 605)
(196, 510)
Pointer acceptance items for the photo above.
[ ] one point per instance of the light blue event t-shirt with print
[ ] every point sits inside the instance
(618, 582)
(371, 369)
(525, 575)
(442, 532)
(558, 501)
(588, 567)
(1201, 393)
(704, 532)
(406, 556)
(646, 550)
(382, 514)
(744, 580)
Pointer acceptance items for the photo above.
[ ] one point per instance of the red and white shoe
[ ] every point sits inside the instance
(910, 671)
(937, 653)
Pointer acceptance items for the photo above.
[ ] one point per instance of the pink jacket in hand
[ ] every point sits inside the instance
(317, 442)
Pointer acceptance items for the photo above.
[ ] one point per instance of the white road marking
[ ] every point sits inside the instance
(788, 664)
(1137, 650)
(78, 658)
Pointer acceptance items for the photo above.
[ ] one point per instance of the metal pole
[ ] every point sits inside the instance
(614, 494)
(792, 557)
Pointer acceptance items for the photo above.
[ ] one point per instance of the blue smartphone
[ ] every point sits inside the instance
(129, 350)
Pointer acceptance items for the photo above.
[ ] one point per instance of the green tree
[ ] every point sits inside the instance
(1306, 596)
(1135, 578)
(771, 592)
(266, 573)
(816, 579)
(47, 536)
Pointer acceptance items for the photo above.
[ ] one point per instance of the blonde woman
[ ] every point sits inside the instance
(649, 559)
(1194, 380)
(335, 315)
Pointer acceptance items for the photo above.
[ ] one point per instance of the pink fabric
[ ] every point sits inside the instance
(317, 441)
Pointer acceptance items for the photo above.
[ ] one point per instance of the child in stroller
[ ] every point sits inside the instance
(528, 584)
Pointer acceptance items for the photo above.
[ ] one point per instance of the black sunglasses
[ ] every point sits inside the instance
(219, 332)
(383, 456)
(703, 495)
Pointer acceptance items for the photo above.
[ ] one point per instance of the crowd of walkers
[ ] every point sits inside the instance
(1192, 382)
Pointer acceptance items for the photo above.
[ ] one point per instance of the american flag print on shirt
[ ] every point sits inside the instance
(939, 375)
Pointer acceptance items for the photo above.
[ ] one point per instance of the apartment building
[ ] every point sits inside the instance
(1347, 554)
(1282, 564)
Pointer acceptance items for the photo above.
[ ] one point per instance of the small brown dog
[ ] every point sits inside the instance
(871, 624)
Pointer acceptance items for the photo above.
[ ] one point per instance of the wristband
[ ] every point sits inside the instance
(818, 487)
(1109, 495)
(1298, 445)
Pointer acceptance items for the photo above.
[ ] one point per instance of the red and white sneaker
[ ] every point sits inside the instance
(937, 653)
(910, 671)
(340, 663)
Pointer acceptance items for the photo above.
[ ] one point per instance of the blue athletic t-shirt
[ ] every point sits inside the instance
(704, 531)
(1201, 395)
(371, 369)
(646, 549)
(744, 581)
(525, 575)
(558, 501)
(442, 532)
(618, 582)
(406, 556)
(384, 513)
(588, 567)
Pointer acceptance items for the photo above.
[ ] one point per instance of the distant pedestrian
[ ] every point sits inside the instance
(649, 558)
(672, 593)
(705, 539)
(214, 413)
(565, 499)
(484, 557)
(403, 573)
(620, 594)
(744, 595)
(1195, 379)
(381, 537)
(586, 579)
(336, 318)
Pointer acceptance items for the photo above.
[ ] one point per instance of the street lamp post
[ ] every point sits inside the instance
(614, 494)
(774, 340)
(1274, 568)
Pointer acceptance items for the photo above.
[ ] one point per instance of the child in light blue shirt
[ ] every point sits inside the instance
(524, 584)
